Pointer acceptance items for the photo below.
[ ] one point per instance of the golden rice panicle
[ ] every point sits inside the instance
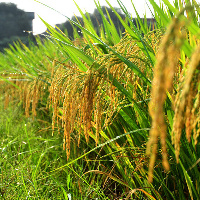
(35, 97)
(187, 104)
(24, 91)
(70, 109)
(88, 103)
(98, 117)
(55, 94)
(31, 94)
(58, 92)
(196, 122)
(7, 100)
(167, 61)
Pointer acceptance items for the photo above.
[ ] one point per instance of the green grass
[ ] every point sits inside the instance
(28, 154)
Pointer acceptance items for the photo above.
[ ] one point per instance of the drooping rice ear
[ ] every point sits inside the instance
(187, 104)
(167, 61)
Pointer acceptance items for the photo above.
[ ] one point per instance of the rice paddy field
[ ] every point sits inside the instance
(104, 116)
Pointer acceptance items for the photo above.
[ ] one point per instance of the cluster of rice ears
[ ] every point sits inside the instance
(186, 96)
(99, 87)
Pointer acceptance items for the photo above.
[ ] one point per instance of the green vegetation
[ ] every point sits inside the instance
(126, 106)
(96, 20)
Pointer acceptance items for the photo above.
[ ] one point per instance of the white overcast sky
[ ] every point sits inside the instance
(68, 8)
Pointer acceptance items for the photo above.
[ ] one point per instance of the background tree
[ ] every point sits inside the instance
(13, 23)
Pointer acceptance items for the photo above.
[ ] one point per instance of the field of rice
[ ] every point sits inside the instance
(104, 116)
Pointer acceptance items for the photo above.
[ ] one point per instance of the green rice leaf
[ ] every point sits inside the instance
(163, 16)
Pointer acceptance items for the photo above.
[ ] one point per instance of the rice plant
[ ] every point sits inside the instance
(129, 102)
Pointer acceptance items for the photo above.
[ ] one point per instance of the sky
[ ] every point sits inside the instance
(68, 8)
